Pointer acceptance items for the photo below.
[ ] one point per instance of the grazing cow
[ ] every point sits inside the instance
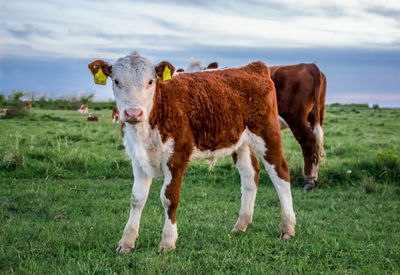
(301, 91)
(28, 105)
(3, 111)
(115, 115)
(84, 109)
(196, 116)
(92, 117)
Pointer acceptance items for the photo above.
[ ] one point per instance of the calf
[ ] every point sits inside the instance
(115, 115)
(84, 109)
(92, 117)
(196, 116)
(301, 91)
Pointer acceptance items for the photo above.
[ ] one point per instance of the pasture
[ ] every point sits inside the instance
(66, 183)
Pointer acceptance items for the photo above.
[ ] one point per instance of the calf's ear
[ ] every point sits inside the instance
(100, 70)
(165, 70)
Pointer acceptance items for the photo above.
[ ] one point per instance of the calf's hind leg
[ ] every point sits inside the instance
(270, 147)
(249, 168)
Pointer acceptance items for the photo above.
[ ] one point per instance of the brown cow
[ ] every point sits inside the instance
(3, 111)
(28, 105)
(115, 115)
(92, 117)
(301, 91)
(212, 65)
(197, 116)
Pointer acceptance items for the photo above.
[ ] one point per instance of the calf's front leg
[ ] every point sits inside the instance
(170, 194)
(140, 191)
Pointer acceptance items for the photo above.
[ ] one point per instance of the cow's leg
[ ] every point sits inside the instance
(140, 191)
(249, 168)
(170, 194)
(306, 138)
(270, 147)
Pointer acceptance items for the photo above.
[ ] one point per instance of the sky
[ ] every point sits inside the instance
(45, 45)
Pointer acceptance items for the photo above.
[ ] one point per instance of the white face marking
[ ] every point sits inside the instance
(134, 82)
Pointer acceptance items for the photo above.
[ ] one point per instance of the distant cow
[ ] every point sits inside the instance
(28, 105)
(301, 91)
(115, 115)
(196, 116)
(92, 117)
(212, 65)
(3, 111)
(84, 109)
(195, 65)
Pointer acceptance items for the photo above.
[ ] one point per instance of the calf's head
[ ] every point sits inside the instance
(134, 82)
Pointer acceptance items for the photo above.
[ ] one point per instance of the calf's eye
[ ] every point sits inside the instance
(150, 81)
(116, 82)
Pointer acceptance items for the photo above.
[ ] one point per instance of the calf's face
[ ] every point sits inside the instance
(134, 81)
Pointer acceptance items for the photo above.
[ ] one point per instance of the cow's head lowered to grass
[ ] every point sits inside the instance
(134, 81)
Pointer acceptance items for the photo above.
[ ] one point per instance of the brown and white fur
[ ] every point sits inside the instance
(200, 115)
(115, 115)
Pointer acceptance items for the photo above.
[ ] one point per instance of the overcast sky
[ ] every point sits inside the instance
(45, 45)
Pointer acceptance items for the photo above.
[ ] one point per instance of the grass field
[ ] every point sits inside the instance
(65, 189)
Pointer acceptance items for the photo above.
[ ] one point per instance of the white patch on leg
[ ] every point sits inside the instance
(319, 143)
(249, 189)
(285, 196)
(169, 234)
(170, 230)
(140, 191)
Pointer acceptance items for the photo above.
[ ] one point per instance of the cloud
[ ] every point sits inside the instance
(27, 30)
(82, 29)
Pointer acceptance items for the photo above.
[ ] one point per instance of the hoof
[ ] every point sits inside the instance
(124, 249)
(166, 246)
(286, 236)
(238, 230)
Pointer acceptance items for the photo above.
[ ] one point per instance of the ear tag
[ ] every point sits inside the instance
(166, 74)
(100, 77)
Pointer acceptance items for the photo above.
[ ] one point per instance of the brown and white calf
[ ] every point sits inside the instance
(92, 117)
(196, 116)
(115, 115)
(300, 91)
(84, 109)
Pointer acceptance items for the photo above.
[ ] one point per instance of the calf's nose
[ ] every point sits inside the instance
(133, 115)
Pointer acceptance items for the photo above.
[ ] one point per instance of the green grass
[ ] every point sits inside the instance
(65, 185)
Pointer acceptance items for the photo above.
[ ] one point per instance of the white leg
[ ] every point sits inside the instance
(140, 191)
(285, 197)
(249, 188)
(170, 230)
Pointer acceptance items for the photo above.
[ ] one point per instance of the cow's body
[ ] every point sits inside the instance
(115, 115)
(92, 117)
(3, 111)
(301, 91)
(84, 109)
(198, 116)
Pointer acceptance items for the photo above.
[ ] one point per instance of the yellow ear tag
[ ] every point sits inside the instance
(166, 74)
(100, 77)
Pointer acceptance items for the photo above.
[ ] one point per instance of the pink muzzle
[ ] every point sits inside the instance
(133, 115)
